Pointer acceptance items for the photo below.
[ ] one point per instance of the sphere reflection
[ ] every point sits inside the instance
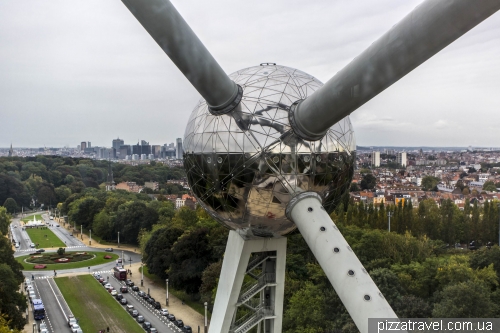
(245, 166)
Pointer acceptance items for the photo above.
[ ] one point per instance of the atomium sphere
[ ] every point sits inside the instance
(246, 165)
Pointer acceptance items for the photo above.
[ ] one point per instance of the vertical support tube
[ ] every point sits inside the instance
(234, 267)
(347, 275)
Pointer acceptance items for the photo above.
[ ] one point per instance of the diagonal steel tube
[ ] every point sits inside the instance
(428, 29)
(167, 27)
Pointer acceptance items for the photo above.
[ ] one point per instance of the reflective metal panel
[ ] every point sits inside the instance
(245, 166)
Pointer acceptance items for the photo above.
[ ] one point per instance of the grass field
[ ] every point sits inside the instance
(99, 259)
(30, 218)
(95, 308)
(37, 236)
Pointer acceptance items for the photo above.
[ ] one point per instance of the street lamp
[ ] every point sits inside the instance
(90, 240)
(142, 273)
(389, 215)
(118, 239)
(81, 231)
(206, 324)
(167, 292)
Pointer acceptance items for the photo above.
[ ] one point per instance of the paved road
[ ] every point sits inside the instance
(56, 309)
(150, 314)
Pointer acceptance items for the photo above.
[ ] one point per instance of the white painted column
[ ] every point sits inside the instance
(234, 266)
(347, 275)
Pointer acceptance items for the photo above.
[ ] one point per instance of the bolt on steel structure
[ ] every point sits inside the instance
(269, 149)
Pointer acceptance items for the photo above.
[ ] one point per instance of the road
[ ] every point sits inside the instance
(45, 287)
(56, 309)
(150, 314)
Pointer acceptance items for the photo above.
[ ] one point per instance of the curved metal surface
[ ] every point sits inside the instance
(246, 165)
(428, 29)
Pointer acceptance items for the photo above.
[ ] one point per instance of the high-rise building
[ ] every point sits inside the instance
(401, 159)
(117, 143)
(83, 145)
(179, 149)
(156, 150)
(375, 159)
(89, 145)
(124, 151)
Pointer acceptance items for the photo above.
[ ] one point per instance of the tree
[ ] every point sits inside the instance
(158, 252)
(4, 221)
(465, 300)
(429, 183)
(354, 187)
(13, 303)
(489, 186)
(11, 205)
(191, 255)
(368, 182)
(5, 325)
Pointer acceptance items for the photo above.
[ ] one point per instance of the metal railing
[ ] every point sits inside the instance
(247, 322)
(252, 288)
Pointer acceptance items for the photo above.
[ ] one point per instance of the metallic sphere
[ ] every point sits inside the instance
(246, 165)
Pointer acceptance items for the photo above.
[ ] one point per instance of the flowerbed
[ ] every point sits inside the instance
(39, 266)
(107, 257)
(52, 258)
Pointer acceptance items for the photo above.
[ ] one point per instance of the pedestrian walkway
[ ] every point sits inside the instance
(176, 306)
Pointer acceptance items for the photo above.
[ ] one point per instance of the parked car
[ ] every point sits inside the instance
(140, 319)
(129, 308)
(187, 329)
(151, 300)
(114, 292)
(123, 301)
(179, 323)
(75, 328)
(71, 321)
(97, 276)
(101, 279)
(135, 288)
(107, 285)
(109, 249)
(43, 328)
(124, 289)
(152, 330)
(119, 260)
(40, 250)
(32, 245)
(146, 325)
(141, 293)
(119, 297)
(157, 305)
(129, 283)
(135, 313)
(164, 312)
(171, 317)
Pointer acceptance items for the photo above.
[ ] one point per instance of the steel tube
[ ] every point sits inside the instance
(428, 29)
(167, 27)
(349, 278)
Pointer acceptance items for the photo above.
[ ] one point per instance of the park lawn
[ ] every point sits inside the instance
(94, 307)
(98, 260)
(30, 218)
(37, 236)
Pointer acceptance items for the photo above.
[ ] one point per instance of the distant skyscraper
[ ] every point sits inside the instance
(401, 159)
(89, 145)
(117, 143)
(376, 159)
(83, 145)
(179, 149)
(11, 152)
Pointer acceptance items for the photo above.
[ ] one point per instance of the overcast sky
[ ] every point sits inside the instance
(86, 70)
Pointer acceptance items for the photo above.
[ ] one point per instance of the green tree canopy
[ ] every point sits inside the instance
(429, 183)
(11, 205)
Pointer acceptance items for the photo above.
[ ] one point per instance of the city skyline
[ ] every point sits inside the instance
(89, 70)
